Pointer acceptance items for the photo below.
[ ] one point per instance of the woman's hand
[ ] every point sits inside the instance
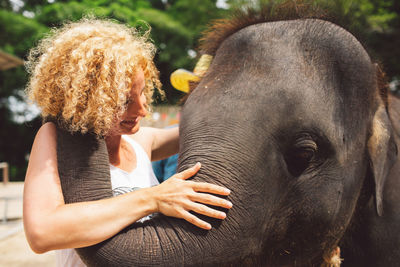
(176, 197)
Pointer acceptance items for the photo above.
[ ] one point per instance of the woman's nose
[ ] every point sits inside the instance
(144, 106)
(143, 109)
(138, 107)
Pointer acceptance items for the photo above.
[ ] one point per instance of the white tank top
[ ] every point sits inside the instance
(121, 182)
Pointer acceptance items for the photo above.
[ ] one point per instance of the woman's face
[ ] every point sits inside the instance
(136, 108)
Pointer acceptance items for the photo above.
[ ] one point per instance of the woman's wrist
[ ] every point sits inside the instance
(149, 199)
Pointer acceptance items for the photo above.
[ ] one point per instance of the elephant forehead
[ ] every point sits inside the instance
(314, 53)
(308, 70)
(274, 40)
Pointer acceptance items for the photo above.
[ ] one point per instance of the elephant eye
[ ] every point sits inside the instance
(300, 154)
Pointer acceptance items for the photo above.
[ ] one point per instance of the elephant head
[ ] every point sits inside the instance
(289, 117)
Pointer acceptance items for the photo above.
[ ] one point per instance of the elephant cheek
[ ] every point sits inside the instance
(310, 213)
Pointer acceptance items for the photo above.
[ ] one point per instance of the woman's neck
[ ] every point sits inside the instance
(120, 153)
(113, 147)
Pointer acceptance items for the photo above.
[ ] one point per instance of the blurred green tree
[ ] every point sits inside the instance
(17, 35)
(377, 24)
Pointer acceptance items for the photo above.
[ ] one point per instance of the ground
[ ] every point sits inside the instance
(14, 248)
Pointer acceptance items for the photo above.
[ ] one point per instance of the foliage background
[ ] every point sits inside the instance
(176, 27)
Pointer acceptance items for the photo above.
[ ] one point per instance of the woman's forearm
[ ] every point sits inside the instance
(87, 223)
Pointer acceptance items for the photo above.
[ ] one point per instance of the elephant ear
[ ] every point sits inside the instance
(382, 151)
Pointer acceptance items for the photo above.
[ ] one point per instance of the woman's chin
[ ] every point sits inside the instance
(129, 128)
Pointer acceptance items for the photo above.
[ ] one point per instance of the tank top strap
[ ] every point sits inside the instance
(141, 155)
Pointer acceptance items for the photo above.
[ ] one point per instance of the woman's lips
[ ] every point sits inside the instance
(130, 123)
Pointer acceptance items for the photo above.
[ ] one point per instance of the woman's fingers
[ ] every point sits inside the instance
(201, 209)
(194, 220)
(211, 200)
(201, 187)
(210, 188)
(180, 197)
(189, 172)
(207, 211)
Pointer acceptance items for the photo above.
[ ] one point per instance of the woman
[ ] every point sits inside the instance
(96, 77)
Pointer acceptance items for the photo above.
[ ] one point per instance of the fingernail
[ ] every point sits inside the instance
(229, 204)
(208, 226)
(227, 191)
(222, 215)
(198, 164)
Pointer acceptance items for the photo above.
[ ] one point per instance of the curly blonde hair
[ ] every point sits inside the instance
(82, 73)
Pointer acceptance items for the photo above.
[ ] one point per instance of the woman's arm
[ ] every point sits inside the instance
(51, 224)
(163, 143)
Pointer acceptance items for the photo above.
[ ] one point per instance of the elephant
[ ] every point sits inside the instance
(293, 118)
(373, 240)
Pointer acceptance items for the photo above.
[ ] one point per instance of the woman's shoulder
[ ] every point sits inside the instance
(144, 137)
(48, 126)
(47, 130)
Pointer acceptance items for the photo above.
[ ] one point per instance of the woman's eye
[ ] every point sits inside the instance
(128, 101)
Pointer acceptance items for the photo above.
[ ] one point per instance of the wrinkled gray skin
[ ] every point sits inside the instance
(374, 240)
(284, 118)
(275, 94)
